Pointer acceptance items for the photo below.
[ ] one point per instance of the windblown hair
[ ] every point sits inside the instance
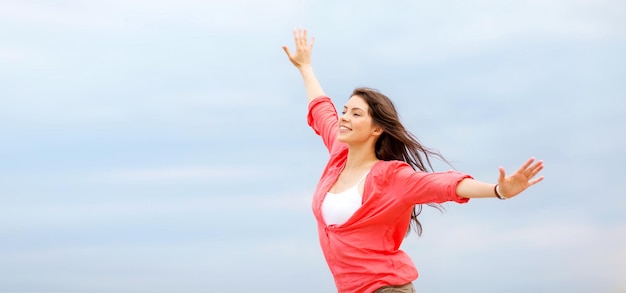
(396, 143)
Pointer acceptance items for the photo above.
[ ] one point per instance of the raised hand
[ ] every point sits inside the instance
(302, 56)
(510, 186)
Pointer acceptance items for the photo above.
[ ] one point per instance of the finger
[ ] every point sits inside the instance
(312, 42)
(535, 181)
(531, 171)
(286, 49)
(301, 40)
(536, 170)
(538, 165)
(502, 174)
(305, 34)
(305, 39)
(523, 168)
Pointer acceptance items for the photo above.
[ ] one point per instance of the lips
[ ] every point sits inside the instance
(343, 128)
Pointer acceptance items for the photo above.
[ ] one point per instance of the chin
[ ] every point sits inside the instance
(341, 139)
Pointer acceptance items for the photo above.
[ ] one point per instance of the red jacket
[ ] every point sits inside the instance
(364, 253)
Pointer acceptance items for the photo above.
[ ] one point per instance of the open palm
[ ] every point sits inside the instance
(302, 55)
(514, 184)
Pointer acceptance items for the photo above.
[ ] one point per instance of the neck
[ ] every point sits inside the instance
(360, 157)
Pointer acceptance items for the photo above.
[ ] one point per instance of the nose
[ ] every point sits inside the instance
(343, 117)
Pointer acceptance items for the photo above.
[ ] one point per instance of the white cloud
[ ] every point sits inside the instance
(185, 174)
(77, 14)
(435, 30)
(151, 84)
(210, 206)
(542, 246)
(191, 266)
(223, 16)
(233, 99)
(554, 231)
(19, 54)
(180, 106)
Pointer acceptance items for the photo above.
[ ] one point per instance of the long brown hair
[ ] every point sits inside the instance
(396, 143)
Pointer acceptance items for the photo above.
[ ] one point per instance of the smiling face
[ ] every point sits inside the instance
(355, 123)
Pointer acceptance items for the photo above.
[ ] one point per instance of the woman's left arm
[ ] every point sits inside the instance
(507, 187)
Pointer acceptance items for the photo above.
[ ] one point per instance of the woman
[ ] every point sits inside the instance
(376, 175)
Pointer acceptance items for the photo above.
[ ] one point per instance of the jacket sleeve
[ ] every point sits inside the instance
(322, 117)
(418, 187)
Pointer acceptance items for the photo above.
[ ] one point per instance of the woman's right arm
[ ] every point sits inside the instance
(322, 116)
(301, 59)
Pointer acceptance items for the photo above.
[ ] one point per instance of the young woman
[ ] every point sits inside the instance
(376, 175)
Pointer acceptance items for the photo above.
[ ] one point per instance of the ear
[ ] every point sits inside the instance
(377, 130)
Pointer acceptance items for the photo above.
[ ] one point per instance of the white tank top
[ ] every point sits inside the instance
(337, 208)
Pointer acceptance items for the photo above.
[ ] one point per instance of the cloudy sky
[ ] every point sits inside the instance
(162, 146)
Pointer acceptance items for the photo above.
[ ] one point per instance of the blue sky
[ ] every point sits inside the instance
(162, 146)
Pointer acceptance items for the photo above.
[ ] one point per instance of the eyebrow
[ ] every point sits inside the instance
(354, 108)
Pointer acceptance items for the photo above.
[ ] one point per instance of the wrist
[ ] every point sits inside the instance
(496, 190)
(305, 67)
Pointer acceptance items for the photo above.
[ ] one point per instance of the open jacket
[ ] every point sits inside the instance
(364, 254)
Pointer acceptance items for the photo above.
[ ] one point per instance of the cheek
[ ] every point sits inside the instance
(364, 126)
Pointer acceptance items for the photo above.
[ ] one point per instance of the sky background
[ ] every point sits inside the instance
(162, 146)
